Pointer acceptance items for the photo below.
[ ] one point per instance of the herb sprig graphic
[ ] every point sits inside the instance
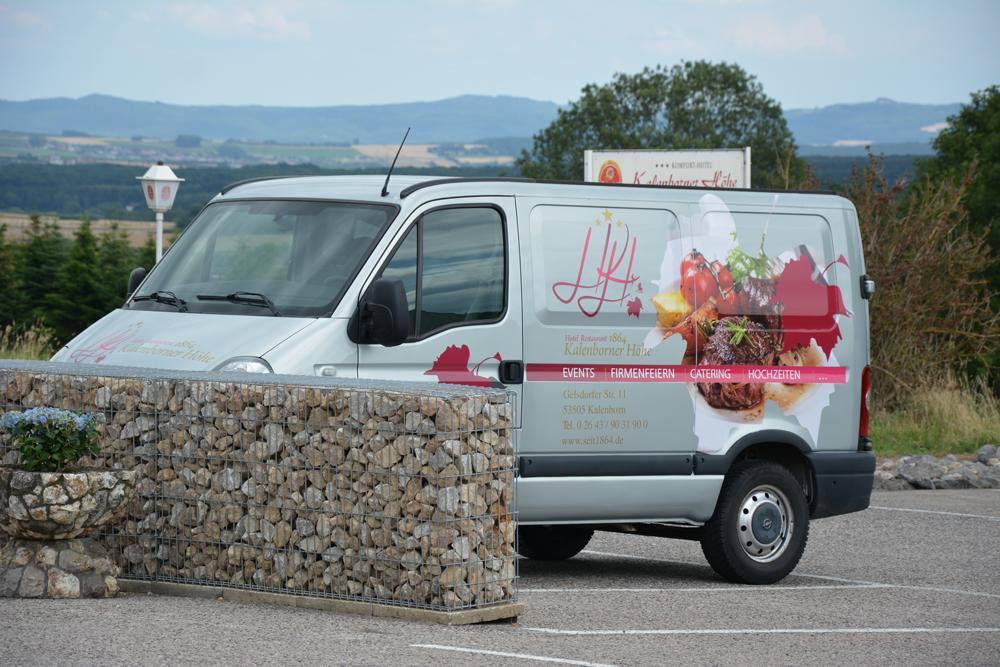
(738, 331)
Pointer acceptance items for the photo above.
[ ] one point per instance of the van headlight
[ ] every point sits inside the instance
(244, 365)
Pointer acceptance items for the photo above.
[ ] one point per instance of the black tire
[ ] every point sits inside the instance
(552, 542)
(757, 501)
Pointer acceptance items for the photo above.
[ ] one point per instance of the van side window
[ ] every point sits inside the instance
(453, 266)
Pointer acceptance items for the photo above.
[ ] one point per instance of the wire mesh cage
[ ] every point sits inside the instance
(395, 493)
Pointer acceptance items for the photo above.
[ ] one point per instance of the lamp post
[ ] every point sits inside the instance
(159, 185)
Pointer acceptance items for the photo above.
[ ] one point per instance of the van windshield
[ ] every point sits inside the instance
(267, 258)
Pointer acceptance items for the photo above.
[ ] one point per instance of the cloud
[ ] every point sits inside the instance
(723, 3)
(272, 21)
(21, 18)
(670, 40)
(774, 35)
(935, 127)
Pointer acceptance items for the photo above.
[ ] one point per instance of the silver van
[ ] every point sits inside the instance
(687, 363)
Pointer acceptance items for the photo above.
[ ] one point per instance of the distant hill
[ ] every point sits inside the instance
(467, 118)
(883, 121)
(456, 119)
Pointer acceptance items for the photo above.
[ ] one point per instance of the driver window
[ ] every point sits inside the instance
(453, 266)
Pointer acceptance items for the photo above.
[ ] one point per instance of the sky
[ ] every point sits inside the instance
(318, 53)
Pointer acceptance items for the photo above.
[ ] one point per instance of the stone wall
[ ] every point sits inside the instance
(392, 493)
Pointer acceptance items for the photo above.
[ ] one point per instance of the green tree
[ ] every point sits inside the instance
(146, 255)
(931, 320)
(37, 260)
(76, 300)
(690, 105)
(115, 257)
(973, 138)
(971, 143)
(8, 281)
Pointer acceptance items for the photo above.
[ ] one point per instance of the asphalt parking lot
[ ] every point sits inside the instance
(913, 580)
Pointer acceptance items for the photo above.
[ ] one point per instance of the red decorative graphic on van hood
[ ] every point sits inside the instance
(99, 349)
(452, 367)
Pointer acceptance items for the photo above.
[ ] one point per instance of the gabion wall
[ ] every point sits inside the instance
(392, 493)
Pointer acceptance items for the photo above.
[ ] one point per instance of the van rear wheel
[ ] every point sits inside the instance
(761, 524)
(552, 542)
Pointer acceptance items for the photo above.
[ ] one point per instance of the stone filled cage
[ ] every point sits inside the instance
(391, 493)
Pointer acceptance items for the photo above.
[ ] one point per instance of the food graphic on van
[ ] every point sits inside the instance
(757, 328)
(452, 367)
(603, 275)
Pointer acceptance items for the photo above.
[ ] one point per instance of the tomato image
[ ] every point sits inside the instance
(698, 284)
(693, 258)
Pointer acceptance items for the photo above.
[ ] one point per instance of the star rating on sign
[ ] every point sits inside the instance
(607, 215)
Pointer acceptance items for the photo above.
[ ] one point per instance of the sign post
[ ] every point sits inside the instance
(707, 168)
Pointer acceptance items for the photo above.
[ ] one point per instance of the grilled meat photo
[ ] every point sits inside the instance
(753, 299)
(737, 341)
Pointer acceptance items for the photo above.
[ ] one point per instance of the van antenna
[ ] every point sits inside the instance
(385, 188)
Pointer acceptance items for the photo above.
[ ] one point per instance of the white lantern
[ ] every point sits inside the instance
(159, 187)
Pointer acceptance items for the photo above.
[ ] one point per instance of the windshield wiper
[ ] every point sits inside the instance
(164, 296)
(248, 298)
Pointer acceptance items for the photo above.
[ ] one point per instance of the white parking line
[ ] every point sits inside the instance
(712, 589)
(764, 631)
(503, 654)
(909, 509)
(871, 584)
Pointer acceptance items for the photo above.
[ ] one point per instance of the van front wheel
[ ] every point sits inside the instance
(761, 523)
(552, 542)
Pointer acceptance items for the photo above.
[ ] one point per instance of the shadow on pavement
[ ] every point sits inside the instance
(589, 567)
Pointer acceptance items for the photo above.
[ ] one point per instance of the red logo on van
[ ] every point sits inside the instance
(452, 367)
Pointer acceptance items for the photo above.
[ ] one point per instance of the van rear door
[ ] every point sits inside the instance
(458, 262)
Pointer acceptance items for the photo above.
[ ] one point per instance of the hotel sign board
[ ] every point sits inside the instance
(707, 168)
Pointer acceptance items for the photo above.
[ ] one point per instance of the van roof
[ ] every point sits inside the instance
(369, 187)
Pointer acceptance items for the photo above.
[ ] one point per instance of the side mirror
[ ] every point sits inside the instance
(134, 279)
(386, 313)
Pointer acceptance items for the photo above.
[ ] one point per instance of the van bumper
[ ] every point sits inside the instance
(842, 482)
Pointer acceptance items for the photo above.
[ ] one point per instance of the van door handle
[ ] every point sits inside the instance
(511, 372)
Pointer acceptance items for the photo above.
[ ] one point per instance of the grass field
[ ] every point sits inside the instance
(958, 420)
(143, 150)
(137, 231)
(36, 343)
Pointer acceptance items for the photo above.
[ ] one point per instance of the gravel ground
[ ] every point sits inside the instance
(913, 580)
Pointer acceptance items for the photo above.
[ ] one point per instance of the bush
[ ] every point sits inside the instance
(931, 317)
(50, 439)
